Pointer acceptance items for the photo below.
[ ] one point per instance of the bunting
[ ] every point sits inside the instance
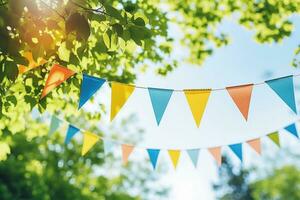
(57, 75)
(241, 95)
(89, 86)
(197, 100)
(237, 150)
(159, 99)
(284, 88)
(174, 156)
(275, 138)
(255, 144)
(193, 154)
(72, 130)
(292, 129)
(153, 155)
(216, 153)
(89, 140)
(120, 94)
(126, 151)
(54, 124)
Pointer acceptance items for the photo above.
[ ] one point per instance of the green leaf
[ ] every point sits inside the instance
(118, 28)
(139, 22)
(11, 70)
(111, 11)
(79, 24)
(63, 52)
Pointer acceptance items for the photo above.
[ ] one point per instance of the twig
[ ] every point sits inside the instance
(49, 7)
(98, 10)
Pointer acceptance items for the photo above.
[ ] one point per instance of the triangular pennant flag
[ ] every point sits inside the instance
(159, 99)
(54, 124)
(153, 155)
(31, 62)
(275, 138)
(126, 151)
(57, 75)
(174, 155)
(107, 146)
(72, 130)
(89, 140)
(216, 153)
(120, 94)
(241, 95)
(292, 129)
(193, 154)
(237, 150)
(89, 86)
(197, 100)
(255, 144)
(284, 88)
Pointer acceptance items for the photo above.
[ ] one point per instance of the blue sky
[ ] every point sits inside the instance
(243, 61)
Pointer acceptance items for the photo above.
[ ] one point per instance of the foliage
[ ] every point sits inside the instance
(233, 183)
(278, 183)
(282, 183)
(44, 168)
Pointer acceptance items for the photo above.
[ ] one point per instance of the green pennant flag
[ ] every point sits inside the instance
(275, 138)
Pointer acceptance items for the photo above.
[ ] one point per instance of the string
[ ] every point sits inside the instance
(119, 142)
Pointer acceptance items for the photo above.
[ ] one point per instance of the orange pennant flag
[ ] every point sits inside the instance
(255, 144)
(174, 155)
(216, 153)
(241, 95)
(126, 151)
(32, 63)
(197, 100)
(57, 75)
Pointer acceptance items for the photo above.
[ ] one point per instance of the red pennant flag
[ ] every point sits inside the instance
(241, 95)
(58, 74)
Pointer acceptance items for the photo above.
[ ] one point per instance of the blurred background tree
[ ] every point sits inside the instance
(278, 182)
(111, 39)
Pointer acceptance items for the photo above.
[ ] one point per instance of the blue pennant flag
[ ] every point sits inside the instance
(284, 88)
(237, 150)
(159, 99)
(292, 129)
(89, 86)
(72, 130)
(107, 146)
(193, 154)
(54, 124)
(153, 155)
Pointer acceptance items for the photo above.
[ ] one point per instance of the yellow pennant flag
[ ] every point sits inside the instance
(197, 100)
(174, 155)
(119, 95)
(89, 140)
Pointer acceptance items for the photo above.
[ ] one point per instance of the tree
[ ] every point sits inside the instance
(233, 183)
(281, 182)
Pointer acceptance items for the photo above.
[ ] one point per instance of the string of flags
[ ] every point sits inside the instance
(197, 99)
(91, 139)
